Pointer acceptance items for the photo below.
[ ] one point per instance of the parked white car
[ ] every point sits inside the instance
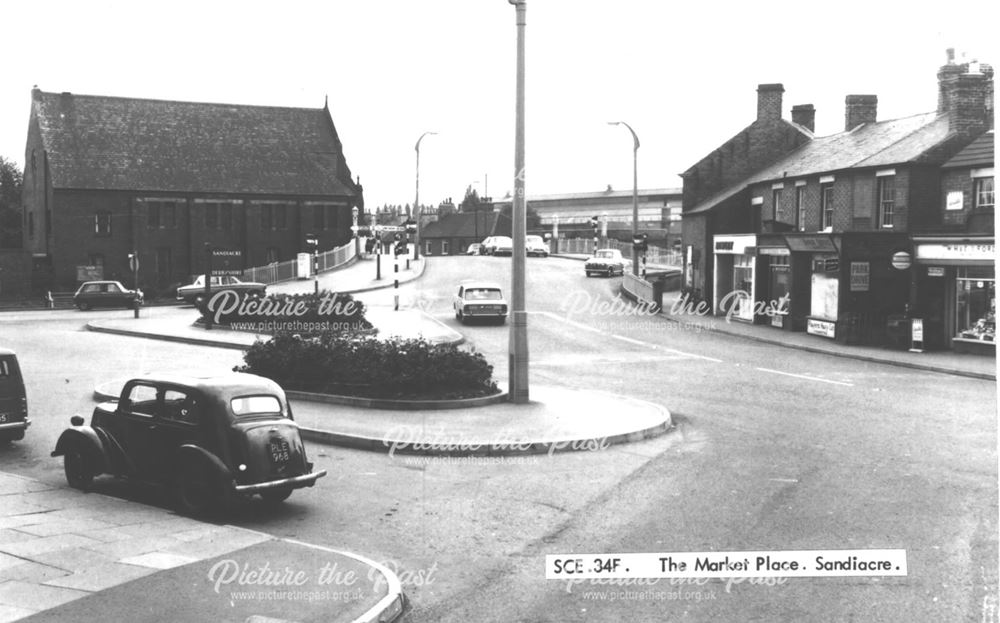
(536, 245)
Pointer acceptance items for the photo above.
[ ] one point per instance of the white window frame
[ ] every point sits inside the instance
(884, 183)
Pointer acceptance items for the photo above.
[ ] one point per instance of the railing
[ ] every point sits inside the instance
(655, 255)
(284, 271)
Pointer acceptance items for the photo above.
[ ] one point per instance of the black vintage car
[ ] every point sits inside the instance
(105, 294)
(209, 439)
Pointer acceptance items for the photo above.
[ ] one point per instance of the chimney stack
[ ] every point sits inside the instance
(860, 109)
(965, 94)
(805, 116)
(769, 102)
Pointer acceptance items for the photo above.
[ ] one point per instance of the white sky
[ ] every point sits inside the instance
(683, 74)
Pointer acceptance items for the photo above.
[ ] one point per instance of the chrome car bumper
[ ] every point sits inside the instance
(296, 482)
(12, 425)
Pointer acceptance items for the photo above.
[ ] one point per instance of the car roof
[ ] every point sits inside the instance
(481, 284)
(6, 351)
(102, 281)
(226, 385)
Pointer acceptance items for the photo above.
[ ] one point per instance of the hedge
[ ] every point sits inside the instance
(369, 367)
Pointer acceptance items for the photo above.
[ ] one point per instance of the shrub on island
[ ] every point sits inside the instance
(372, 368)
(307, 314)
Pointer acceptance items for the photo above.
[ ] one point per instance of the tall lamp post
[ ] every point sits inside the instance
(518, 345)
(635, 191)
(416, 200)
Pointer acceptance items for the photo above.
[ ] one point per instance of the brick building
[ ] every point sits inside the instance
(824, 244)
(108, 175)
(704, 213)
(452, 234)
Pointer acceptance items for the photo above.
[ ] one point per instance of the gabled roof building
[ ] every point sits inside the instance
(106, 176)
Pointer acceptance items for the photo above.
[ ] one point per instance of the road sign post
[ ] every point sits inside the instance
(133, 263)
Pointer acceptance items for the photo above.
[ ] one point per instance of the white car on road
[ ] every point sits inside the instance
(480, 299)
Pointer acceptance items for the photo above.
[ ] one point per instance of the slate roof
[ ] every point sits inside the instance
(977, 154)
(118, 143)
(460, 225)
(884, 143)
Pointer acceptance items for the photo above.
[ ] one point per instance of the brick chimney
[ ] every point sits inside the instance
(805, 116)
(965, 94)
(860, 109)
(769, 102)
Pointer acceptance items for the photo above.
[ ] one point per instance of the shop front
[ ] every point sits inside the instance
(956, 292)
(734, 285)
(776, 283)
(818, 257)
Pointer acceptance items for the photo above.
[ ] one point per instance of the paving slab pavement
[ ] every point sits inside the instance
(66, 555)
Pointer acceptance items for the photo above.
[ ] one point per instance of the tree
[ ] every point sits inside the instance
(505, 226)
(11, 183)
(471, 202)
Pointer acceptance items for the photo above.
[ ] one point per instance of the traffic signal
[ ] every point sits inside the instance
(639, 242)
(411, 227)
(594, 223)
(370, 245)
(400, 248)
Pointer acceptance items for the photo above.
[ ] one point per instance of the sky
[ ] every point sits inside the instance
(682, 74)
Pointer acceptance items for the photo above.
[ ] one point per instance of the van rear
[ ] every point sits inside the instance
(13, 400)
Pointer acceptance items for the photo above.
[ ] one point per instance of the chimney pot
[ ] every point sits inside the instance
(805, 116)
(860, 109)
(769, 102)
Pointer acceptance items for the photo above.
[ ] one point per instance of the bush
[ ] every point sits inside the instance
(369, 367)
(341, 313)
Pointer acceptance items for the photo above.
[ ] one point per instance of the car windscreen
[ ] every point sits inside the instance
(605, 254)
(256, 405)
(483, 294)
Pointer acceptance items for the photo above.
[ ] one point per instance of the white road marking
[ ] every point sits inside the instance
(580, 325)
(783, 479)
(808, 378)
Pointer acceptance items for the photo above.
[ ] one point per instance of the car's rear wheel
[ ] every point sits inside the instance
(275, 496)
(79, 475)
(199, 300)
(197, 492)
(82, 305)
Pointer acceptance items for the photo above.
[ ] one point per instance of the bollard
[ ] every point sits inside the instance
(49, 302)
(395, 285)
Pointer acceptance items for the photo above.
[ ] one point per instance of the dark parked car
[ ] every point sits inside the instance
(209, 439)
(104, 294)
(13, 400)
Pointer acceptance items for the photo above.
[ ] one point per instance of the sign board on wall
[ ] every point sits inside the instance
(89, 273)
(227, 262)
(959, 251)
(822, 328)
(955, 200)
(901, 260)
(860, 276)
(935, 271)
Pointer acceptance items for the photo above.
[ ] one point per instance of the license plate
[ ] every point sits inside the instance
(280, 452)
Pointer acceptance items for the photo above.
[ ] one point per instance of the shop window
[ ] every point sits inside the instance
(984, 192)
(826, 199)
(886, 201)
(102, 224)
(976, 302)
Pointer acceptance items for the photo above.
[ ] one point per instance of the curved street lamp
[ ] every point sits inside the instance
(635, 192)
(416, 200)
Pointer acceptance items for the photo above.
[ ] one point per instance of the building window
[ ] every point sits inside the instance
(153, 216)
(319, 217)
(164, 265)
(800, 208)
(886, 201)
(226, 216)
(266, 217)
(280, 216)
(211, 216)
(826, 199)
(445, 247)
(776, 202)
(976, 304)
(102, 224)
(169, 215)
(984, 192)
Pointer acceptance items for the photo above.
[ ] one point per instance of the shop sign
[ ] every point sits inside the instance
(810, 243)
(826, 265)
(935, 271)
(901, 260)
(955, 200)
(822, 328)
(89, 273)
(958, 251)
(860, 276)
(737, 245)
(778, 320)
(917, 335)
(773, 251)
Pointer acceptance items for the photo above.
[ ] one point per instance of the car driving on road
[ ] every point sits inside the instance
(480, 299)
(194, 293)
(607, 262)
(535, 245)
(105, 294)
(209, 439)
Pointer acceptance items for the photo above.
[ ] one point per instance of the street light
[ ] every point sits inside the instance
(416, 200)
(635, 190)
(518, 344)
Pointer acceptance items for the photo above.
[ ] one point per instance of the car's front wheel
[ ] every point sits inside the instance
(79, 475)
(82, 305)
